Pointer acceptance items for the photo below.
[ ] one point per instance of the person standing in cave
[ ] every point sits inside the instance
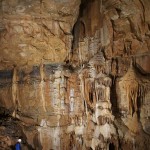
(18, 145)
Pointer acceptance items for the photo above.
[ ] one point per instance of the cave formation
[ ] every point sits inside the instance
(75, 74)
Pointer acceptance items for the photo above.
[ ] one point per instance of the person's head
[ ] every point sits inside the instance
(19, 140)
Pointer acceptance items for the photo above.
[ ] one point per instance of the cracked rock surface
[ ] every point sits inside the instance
(75, 75)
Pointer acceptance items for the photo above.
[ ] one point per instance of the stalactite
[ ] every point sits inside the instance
(69, 41)
(80, 54)
(15, 91)
(14, 85)
(72, 100)
(82, 87)
(92, 71)
(42, 85)
(92, 47)
(136, 88)
(88, 90)
(132, 91)
(62, 91)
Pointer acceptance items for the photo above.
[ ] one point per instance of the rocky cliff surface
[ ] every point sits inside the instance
(75, 74)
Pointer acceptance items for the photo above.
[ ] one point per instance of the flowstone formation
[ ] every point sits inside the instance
(75, 74)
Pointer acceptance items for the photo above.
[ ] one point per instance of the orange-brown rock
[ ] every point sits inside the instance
(74, 74)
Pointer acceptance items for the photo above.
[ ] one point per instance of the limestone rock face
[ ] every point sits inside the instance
(74, 75)
(35, 30)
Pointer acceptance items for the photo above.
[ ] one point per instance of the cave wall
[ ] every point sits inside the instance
(75, 77)
(35, 30)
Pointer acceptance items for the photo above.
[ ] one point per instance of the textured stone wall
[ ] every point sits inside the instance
(35, 30)
(75, 78)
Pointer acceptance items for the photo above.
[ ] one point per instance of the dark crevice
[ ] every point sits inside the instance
(111, 146)
(113, 99)
(77, 31)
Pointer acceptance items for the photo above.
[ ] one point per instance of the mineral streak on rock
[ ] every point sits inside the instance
(74, 74)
